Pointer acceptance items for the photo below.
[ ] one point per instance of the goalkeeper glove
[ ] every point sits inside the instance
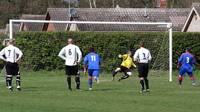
(120, 56)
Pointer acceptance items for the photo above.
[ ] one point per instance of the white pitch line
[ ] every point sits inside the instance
(105, 80)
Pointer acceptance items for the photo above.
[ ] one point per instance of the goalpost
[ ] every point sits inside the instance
(164, 24)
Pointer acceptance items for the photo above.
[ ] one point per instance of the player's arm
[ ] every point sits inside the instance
(99, 60)
(79, 54)
(124, 56)
(133, 64)
(85, 62)
(194, 62)
(20, 54)
(2, 55)
(149, 56)
(180, 61)
(61, 54)
(136, 56)
(119, 56)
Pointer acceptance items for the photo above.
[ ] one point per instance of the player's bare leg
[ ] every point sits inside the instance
(115, 72)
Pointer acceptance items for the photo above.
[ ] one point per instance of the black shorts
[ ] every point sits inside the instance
(143, 69)
(124, 69)
(12, 68)
(71, 70)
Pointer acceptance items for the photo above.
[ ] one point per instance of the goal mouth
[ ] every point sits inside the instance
(116, 26)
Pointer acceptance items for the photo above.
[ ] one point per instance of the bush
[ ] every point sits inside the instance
(183, 40)
(41, 48)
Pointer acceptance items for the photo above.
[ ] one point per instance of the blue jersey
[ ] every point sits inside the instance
(186, 60)
(92, 60)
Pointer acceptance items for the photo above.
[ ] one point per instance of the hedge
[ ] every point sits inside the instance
(41, 48)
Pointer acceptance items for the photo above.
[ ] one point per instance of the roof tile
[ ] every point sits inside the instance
(123, 15)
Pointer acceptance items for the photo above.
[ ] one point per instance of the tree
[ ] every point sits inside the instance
(14, 8)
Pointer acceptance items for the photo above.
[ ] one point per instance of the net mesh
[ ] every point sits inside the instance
(102, 34)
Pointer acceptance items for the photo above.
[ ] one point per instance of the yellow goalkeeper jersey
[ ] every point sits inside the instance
(127, 61)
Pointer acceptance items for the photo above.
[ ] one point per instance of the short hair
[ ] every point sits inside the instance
(5, 42)
(12, 41)
(130, 53)
(188, 49)
(70, 40)
(8, 41)
(142, 44)
(91, 49)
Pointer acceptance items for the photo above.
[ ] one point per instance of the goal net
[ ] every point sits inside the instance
(157, 37)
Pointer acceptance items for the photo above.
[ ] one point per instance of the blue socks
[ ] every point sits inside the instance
(90, 82)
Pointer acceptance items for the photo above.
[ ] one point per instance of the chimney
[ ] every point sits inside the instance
(161, 4)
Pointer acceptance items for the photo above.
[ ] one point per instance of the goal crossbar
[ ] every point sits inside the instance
(167, 24)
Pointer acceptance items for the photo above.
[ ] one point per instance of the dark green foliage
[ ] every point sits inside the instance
(2, 37)
(41, 48)
(183, 40)
(15, 8)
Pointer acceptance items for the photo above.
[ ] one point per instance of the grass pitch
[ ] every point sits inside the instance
(46, 92)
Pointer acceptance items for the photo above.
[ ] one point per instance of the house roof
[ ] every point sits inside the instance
(32, 26)
(122, 15)
(195, 11)
(197, 8)
(61, 14)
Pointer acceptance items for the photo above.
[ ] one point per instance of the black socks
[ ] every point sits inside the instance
(146, 83)
(77, 79)
(69, 83)
(142, 84)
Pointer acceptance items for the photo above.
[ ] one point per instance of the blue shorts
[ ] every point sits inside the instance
(186, 69)
(93, 72)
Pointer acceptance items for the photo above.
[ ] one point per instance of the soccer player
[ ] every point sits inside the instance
(143, 56)
(92, 61)
(72, 56)
(185, 65)
(11, 55)
(125, 67)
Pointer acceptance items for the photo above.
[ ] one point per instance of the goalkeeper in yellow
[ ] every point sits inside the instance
(125, 67)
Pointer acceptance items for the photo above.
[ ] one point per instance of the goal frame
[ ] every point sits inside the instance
(166, 24)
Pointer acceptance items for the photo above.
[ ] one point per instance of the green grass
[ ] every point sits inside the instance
(46, 92)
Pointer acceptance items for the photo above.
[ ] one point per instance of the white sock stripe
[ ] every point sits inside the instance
(8, 78)
(129, 73)
(8, 75)
(117, 69)
(141, 78)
